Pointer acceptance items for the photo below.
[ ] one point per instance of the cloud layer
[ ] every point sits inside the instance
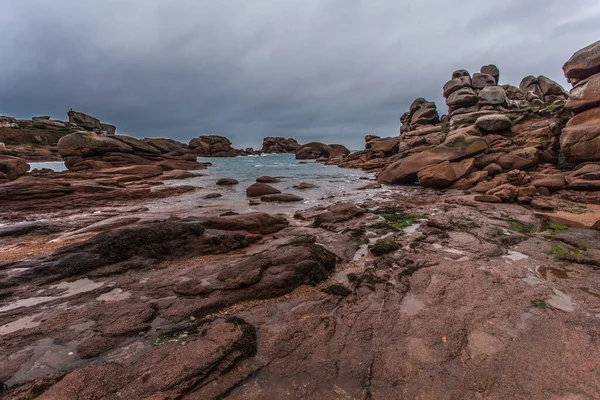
(326, 70)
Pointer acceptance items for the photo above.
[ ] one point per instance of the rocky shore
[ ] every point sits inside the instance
(118, 279)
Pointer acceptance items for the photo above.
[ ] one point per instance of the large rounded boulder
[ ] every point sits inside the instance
(580, 139)
(261, 189)
(583, 64)
(90, 144)
(454, 148)
(12, 167)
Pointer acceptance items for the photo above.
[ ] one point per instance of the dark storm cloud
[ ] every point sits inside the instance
(328, 70)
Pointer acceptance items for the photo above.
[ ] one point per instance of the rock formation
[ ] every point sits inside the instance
(421, 113)
(503, 143)
(279, 145)
(89, 150)
(580, 140)
(11, 168)
(469, 98)
(212, 146)
(90, 123)
(317, 150)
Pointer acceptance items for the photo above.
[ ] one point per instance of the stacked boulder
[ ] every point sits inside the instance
(89, 123)
(90, 150)
(580, 139)
(469, 97)
(541, 90)
(421, 113)
(279, 144)
(377, 154)
(420, 128)
(213, 146)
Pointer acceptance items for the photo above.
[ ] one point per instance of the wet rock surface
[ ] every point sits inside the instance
(480, 282)
(347, 299)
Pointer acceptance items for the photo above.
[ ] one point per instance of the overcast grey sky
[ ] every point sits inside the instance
(326, 70)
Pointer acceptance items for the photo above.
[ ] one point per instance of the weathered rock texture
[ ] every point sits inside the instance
(90, 123)
(90, 150)
(213, 146)
(316, 150)
(580, 140)
(279, 145)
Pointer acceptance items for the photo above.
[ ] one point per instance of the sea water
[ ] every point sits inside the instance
(53, 165)
(331, 182)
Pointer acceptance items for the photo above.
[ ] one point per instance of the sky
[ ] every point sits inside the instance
(316, 70)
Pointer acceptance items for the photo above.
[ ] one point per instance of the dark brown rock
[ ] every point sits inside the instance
(227, 182)
(488, 198)
(279, 145)
(261, 189)
(267, 179)
(261, 223)
(212, 146)
(580, 139)
(281, 198)
(583, 64)
(12, 167)
(455, 148)
(586, 94)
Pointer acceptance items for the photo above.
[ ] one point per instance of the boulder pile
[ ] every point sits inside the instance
(502, 143)
(90, 150)
(469, 97)
(580, 140)
(36, 139)
(213, 146)
(421, 113)
(321, 151)
(279, 145)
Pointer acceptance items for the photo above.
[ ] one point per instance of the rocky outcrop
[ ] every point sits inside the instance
(580, 140)
(90, 123)
(261, 223)
(454, 148)
(543, 89)
(279, 145)
(89, 150)
(317, 150)
(469, 97)
(583, 64)
(213, 146)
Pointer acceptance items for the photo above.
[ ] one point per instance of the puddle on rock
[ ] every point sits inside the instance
(26, 322)
(557, 273)
(47, 358)
(70, 289)
(411, 305)
(412, 229)
(515, 256)
(561, 301)
(114, 295)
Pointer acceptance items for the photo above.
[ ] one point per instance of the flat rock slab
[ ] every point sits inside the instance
(281, 198)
